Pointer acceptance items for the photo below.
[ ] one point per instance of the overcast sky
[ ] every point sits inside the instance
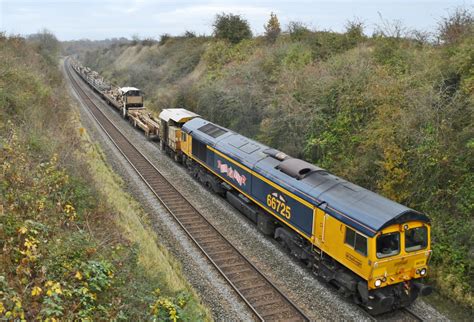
(76, 19)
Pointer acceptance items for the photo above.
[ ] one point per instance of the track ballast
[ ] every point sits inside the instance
(262, 296)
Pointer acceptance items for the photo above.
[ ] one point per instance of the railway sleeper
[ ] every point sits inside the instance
(209, 240)
(238, 272)
(187, 214)
(225, 266)
(197, 226)
(190, 221)
(276, 311)
(263, 295)
(251, 288)
(238, 269)
(231, 260)
(218, 248)
(196, 233)
(214, 253)
(260, 303)
(283, 314)
(245, 279)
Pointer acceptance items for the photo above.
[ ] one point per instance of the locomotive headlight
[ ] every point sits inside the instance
(378, 283)
(423, 272)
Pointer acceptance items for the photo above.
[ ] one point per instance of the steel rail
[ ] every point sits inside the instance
(412, 314)
(263, 298)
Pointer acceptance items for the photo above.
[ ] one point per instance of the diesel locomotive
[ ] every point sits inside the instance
(374, 250)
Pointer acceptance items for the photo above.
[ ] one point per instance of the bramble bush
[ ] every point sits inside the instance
(63, 254)
(39, 213)
(391, 112)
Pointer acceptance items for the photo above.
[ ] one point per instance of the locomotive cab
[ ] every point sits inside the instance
(172, 120)
(132, 97)
(399, 256)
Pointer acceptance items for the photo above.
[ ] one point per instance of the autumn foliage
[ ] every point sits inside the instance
(391, 112)
(63, 255)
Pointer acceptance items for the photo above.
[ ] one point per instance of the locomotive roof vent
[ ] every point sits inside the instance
(212, 130)
(276, 154)
(297, 168)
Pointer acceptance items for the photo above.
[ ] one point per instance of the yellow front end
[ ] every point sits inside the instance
(174, 138)
(401, 253)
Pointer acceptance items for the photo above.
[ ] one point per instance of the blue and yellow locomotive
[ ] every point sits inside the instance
(371, 248)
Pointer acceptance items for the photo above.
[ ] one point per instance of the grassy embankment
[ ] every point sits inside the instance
(389, 112)
(74, 244)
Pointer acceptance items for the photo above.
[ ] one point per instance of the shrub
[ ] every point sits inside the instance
(298, 56)
(189, 34)
(456, 26)
(220, 53)
(148, 42)
(164, 38)
(298, 30)
(231, 27)
(355, 31)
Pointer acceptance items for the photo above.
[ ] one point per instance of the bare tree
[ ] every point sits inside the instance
(392, 29)
(456, 25)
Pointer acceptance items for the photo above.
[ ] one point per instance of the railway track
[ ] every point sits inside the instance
(403, 314)
(413, 316)
(261, 296)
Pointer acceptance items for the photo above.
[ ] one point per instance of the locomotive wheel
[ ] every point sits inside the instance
(283, 244)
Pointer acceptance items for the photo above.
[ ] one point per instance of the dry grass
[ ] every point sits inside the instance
(131, 218)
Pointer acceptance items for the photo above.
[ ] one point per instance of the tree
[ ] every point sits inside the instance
(47, 43)
(456, 26)
(272, 28)
(298, 30)
(232, 27)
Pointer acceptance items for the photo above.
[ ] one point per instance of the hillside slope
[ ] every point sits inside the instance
(392, 114)
(74, 245)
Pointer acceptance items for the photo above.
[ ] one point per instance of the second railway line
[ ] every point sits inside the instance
(265, 300)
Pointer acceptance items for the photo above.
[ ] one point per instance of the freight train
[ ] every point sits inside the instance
(127, 100)
(374, 250)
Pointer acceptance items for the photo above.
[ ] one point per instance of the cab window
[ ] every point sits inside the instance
(388, 245)
(356, 241)
(416, 239)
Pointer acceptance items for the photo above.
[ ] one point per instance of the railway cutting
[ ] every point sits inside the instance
(263, 298)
